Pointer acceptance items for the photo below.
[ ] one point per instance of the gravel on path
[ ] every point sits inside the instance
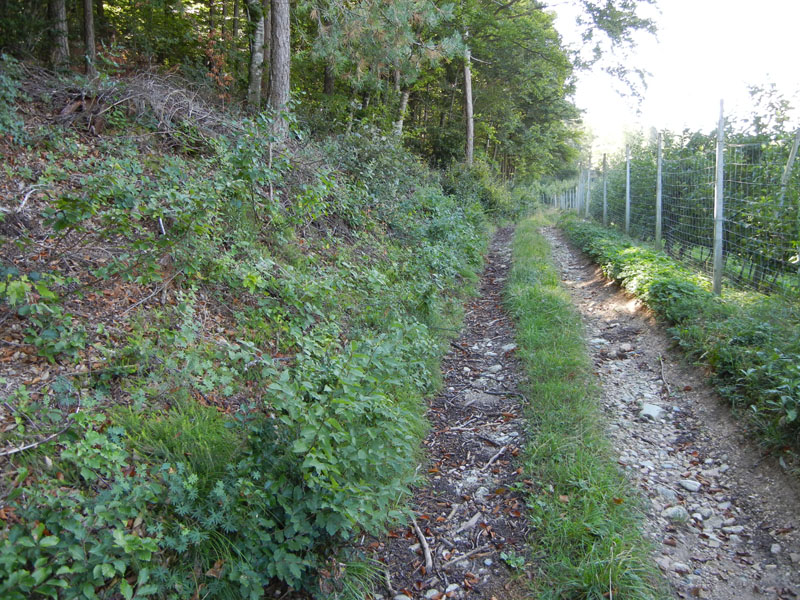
(725, 518)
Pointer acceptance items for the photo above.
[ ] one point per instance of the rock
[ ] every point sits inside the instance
(775, 549)
(706, 512)
(598, 342)
(663, 562)
(676, 513)
(401, 597)
(432, 593)
(795, 557)
(680, 567)
(481, 493)
(625, 347)
(724, 506)
(690, 485)
(452, 588)
(733, 529)
(488, 562)
(714, 523)
(666, 493)
(494, 369)
(508, 348)
(651, 411)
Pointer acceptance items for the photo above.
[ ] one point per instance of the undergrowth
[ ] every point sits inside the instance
(586, 539)
(220, 352)
(750, 343)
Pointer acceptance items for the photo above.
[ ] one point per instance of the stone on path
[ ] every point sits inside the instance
(690, 484)
(651, 411)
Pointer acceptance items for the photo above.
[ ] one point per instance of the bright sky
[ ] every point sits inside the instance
(706, 50)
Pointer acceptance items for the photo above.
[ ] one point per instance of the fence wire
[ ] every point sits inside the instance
(761, 195)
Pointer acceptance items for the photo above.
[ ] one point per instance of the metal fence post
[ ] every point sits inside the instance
(719, 203)
(658, 192)
(605, 193)
(588, 188)
(579, 203)
(787, 172)
(627, 189)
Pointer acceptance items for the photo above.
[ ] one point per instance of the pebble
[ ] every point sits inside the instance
(775, 549)
(432, 593)
(488, 562)
(508, 347)
(666, 493)
(453, 587)
(795, 557)
(495, 369)
(651, 411)
(680, 567)
(690, 485)
(733, 529)
(676, 513)
(401, 597)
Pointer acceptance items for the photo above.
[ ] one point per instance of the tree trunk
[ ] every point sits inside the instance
(256, 54)
(59, 53)
(235, 29)
(102, 25)
(267, 5)
(88, 38)
(211, 15)
(398, 125)
(279, 68)
(470, 142)
(328, 81)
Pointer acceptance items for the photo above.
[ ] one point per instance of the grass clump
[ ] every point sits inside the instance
(749, 342)
(586, 541)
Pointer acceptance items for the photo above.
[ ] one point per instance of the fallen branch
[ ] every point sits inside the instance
(453, 561)
(664, 379)
(146, 298)
(494, 458)
(426, 549)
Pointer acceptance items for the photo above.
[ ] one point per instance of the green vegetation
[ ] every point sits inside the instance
(762, 229)
(586, 541)
(237, 339)
(749, 342)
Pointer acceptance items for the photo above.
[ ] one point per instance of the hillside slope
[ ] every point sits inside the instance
(214, 346)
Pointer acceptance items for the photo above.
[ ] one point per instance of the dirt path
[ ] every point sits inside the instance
(725, 520)
(467, 513)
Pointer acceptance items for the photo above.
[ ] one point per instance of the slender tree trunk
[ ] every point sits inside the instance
(88, 37)
(328, 81)
(235, 25)
(398, 125)
(267, 5)
(256, 54)
(101, 28)
(211, 15)
(470, 142)
(397, 80)
(59, 53)
(279, 68)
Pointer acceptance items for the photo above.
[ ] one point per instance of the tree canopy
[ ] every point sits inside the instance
(398, 65)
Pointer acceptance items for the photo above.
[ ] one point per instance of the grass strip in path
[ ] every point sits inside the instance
(586, 541)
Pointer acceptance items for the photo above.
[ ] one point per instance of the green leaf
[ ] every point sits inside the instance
(126, 589)
(49, 541)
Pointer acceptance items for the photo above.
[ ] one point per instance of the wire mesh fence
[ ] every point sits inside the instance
(759, 243)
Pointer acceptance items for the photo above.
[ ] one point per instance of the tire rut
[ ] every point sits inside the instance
(723, 517)
(468, 513)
